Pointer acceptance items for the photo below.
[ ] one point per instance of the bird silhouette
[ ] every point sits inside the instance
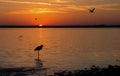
(35, 18)
(38, 48)
(92, 10)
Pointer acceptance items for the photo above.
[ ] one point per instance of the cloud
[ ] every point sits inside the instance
(62, 1)
(35, 11)
(110, 7)
(53, 7)
(66, 9)
(24, 2)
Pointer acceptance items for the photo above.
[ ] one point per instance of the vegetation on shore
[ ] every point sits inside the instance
(59, 26)
(92, 71)
(110, 70)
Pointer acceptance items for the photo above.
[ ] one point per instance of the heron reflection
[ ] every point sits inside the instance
(39, 69)
(39, 63)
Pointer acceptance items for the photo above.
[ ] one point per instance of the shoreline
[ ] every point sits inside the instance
(110, 70)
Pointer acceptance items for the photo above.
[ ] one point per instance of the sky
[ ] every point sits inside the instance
(59, 12)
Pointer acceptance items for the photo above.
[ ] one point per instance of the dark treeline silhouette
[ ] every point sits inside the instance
(60, 26)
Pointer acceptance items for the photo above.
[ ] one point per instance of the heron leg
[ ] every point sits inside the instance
(38, 55)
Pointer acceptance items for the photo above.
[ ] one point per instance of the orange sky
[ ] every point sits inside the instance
(59, 12)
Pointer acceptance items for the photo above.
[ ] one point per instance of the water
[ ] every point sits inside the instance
(64, 48)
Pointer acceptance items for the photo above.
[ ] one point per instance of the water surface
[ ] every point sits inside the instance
(64, 48)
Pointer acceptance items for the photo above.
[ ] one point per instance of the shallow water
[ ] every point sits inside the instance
(64, 48)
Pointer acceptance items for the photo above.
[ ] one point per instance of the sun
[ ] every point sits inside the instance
(40, 25)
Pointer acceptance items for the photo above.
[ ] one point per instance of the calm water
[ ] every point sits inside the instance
(64, 48)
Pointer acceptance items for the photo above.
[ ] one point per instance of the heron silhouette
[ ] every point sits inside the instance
(38, 48)
(92, 10)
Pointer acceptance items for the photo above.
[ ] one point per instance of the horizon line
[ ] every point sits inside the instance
(59, 26)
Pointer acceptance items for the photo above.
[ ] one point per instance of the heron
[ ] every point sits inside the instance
(38, 48)
(92, 10)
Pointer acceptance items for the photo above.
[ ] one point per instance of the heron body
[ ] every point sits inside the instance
(38, 48)
(92, 10)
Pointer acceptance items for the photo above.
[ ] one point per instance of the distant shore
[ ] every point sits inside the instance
(57, 26)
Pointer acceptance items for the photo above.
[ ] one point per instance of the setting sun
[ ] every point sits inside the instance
(40, 25)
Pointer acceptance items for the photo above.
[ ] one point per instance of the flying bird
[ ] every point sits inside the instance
(92, 10)
(35, 18)
(38, 48)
